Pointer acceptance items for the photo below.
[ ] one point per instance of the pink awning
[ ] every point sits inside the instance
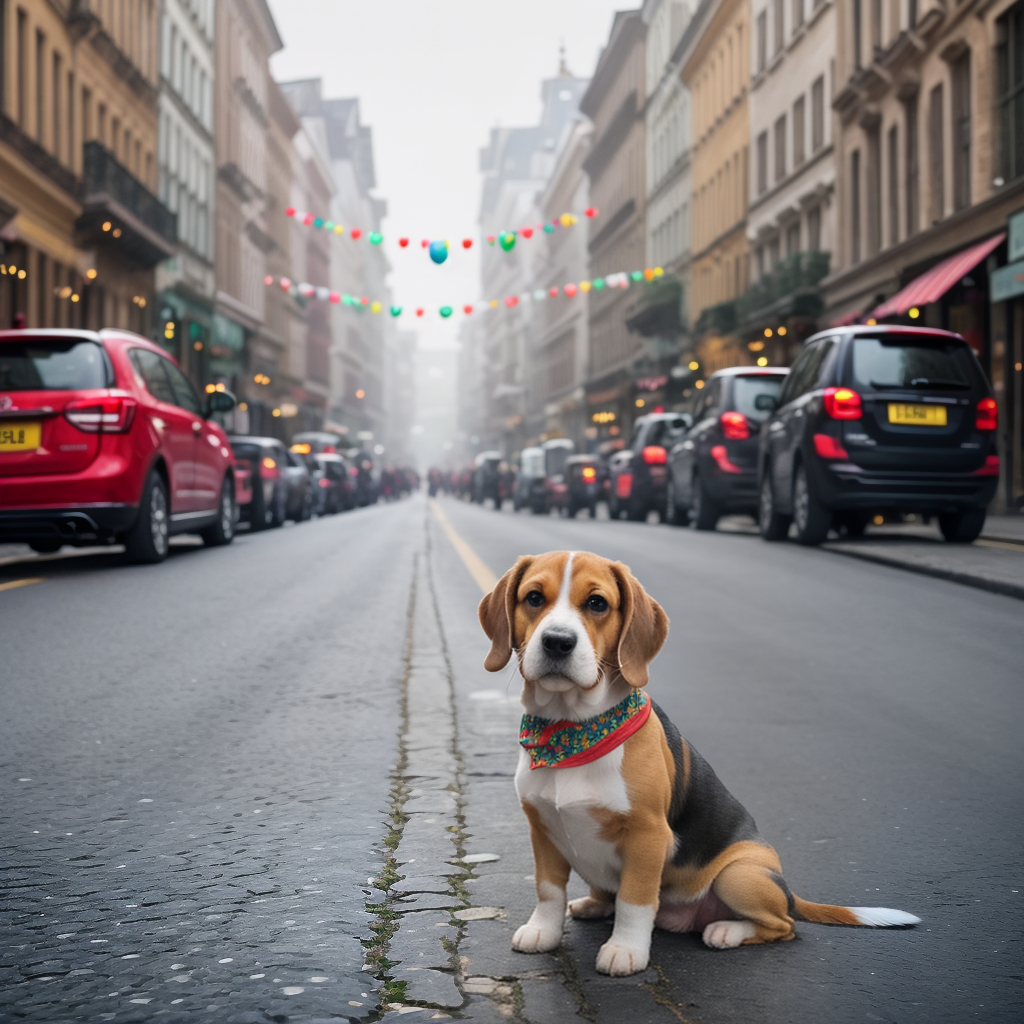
(934, 283)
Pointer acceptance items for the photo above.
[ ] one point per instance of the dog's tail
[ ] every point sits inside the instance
(865, 917)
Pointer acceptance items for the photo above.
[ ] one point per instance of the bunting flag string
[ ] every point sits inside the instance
(623, 279)
(438, 249)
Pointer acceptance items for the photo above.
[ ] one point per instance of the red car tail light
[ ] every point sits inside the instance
(734, 426)
(828, 447)
(991, 467)
(721, 457)
(623, 485)
(987, 416)
(101, 415)
(324, 482)
(589, 474)
(352, 471)
(843, 404)
(654, 455)
(269, 469)
(329, 449)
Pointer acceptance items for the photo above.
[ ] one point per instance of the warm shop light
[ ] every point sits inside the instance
(210, 389)
(275, 412)
(220, 387)
(756, 346)
(107, 225)
(782, 332)
(914, 312)
(693, 364)
(198, 346)
(244, 406)
(91, 273)
(767, 332)
(360, 393)
(117, 232)
(762, 361)
(640, 403)
(21, 275)
(698, 384)
(74, 296)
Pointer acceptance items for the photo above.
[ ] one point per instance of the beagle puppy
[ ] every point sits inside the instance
(610, 788)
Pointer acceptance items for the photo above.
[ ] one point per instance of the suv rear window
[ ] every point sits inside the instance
(747, 390)
(903, 362)
(52, 364)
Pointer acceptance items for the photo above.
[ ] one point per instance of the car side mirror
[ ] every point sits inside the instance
(766, 403)
(219, 401)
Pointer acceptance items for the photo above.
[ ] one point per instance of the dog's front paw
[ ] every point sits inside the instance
(589, 909)
(618, 961)
(529, 938)
(728, 934)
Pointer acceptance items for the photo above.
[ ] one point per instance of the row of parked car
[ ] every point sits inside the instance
(879, 420)
(104, 440)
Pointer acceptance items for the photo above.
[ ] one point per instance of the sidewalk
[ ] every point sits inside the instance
(994, 562)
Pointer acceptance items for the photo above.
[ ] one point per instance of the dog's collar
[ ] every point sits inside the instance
(565, 744)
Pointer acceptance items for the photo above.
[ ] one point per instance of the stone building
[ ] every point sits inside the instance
(928, 174)
(616, 166)
(187, 173)
(81, 227)
(791, 217)
(715, 67)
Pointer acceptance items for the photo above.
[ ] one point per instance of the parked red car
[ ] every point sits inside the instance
(103, 440)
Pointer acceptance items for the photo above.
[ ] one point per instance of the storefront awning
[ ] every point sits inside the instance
(934, 283)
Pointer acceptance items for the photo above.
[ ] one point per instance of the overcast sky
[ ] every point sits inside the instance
(433, 77)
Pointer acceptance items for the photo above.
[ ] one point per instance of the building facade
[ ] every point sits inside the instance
(616, 166)
(81, 227)
(185, 283)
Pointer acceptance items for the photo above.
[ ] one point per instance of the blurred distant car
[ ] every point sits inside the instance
(880, 419)
(638, 482)
(281, 484)
(361, 470)
(103, 440)
(317, 442)
(583, 484)
(336, 486)
(486, 477)
(713, 469)
(529, 486)
(557, 451)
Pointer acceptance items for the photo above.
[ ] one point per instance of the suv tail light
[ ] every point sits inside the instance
(828, 447)
(987, 416)
(734, 426)
(589, 474)
(655, 455)
(721, 457)
(101, 415)
(843, 404)
(991, 467)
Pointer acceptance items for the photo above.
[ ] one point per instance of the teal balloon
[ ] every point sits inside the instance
(438, 252)
(446, 311)
(396, 310)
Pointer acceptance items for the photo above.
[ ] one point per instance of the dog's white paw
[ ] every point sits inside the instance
(618, 961)
(589, 909)
(728, 934)
(529, 938)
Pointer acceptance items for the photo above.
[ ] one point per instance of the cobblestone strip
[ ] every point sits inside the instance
(414, 952)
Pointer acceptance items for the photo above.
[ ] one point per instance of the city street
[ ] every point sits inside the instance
(198, 756)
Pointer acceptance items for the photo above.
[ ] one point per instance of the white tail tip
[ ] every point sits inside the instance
(883, 917)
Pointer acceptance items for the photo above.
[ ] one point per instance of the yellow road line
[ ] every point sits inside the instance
(484, 577)
(1005, 545)
(20, 583)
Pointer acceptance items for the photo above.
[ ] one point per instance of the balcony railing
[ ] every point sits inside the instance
(796, 278)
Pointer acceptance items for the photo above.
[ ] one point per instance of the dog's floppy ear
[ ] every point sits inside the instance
(497, 615)
(644, 627)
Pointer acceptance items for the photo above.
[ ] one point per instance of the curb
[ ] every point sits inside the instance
(993, 586)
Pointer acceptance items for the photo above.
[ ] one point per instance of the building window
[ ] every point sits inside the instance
(961, 97)
(874, 190)
(937, 170)
(58, 83)
(799, 132)
(814, 229)
(40, 87)
(22, 44)
(818, 114)
(780, 149)
(71, 119)
(793, 238)
(876, 25)
(856, 39)
(913, 192)
(762, 41)
(1009, 91)
(780, 39)
(762, 163)
(894, 186)
(798, 14)
(855, 206)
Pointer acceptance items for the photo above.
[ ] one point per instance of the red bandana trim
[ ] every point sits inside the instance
(567, 744)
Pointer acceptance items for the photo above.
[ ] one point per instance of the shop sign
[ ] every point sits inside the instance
(651, 383)
(1015, 241)
(603, 417)
(1006, 282)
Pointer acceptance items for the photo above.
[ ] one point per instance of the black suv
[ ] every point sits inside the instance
(879, 419)
(638, 480)
(713, 470)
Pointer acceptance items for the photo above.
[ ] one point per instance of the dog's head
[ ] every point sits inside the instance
(574, 620)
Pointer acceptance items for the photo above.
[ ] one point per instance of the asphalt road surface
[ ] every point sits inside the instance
(195, 762)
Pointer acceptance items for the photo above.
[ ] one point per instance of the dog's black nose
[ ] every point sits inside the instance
(558, 642)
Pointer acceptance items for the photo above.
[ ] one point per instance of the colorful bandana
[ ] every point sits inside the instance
(567, 744)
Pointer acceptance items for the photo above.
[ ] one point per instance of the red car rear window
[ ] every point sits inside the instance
(52, 364)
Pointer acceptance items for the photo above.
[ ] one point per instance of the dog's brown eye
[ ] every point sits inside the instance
(534, 598)
(596, 603)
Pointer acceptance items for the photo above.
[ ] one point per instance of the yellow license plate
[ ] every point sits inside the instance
(20, 437)
(917, 415)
